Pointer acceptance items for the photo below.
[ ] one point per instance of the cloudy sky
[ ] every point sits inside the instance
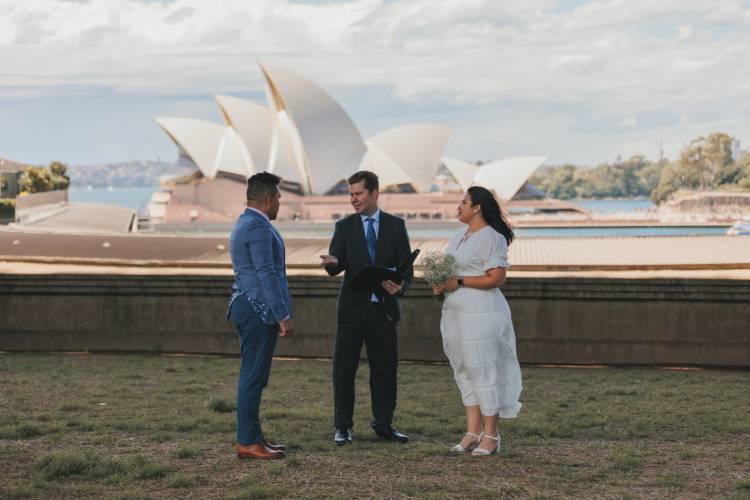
(577, 81)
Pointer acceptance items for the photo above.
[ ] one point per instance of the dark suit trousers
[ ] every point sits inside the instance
(379, 335)
(257, 343)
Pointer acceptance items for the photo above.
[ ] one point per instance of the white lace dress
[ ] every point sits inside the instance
(477, 330)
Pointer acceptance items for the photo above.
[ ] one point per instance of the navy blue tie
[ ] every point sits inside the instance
(372, 240)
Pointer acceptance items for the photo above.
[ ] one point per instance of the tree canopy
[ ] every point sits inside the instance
(705, 163)
(40, 179)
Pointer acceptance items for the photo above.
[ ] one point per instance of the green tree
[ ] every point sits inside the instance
(743, 165)
(60, 179)
(600, 182)
(673, 177)
(7, 208)
(705, 156)
(36, 180)
(565, 182)
(728, 174)
(649, 176)
(630, 178)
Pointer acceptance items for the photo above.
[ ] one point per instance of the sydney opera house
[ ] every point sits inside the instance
(304, 136)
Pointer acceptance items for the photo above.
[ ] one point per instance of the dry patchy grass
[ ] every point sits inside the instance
(135, 426)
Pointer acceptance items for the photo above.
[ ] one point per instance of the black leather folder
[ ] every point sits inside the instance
(370, 277)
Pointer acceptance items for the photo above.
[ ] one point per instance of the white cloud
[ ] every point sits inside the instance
(597, 66)
(628, 121)
(684, 32)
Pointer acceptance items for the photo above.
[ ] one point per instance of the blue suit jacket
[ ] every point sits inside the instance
(257, 251)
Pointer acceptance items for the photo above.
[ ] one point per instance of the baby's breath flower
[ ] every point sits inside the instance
(439, 267)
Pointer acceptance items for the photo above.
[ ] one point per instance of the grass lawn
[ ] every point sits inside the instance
(135, 426)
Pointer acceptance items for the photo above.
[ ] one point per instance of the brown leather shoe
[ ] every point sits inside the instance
(258, 451)
(274, 446)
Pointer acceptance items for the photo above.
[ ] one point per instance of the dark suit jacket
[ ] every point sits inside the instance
(350, 248)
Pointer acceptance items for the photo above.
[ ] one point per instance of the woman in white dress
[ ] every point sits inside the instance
(476, 325)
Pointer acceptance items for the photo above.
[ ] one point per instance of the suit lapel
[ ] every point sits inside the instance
(275, 233)
(280, 241)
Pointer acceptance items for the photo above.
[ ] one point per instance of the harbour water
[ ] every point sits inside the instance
(135, 198)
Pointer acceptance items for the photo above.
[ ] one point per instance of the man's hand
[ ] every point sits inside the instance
(328, 260)
(392, 287)
(286, 328)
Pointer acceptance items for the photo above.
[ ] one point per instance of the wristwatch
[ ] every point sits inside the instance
(460, 282)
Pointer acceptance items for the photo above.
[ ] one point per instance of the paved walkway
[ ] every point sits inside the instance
(87, 217)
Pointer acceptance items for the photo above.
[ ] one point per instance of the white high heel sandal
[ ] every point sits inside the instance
(482, 452)
(460, 449)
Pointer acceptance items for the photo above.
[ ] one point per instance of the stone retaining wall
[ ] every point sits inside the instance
(557, 320)
(26, 201)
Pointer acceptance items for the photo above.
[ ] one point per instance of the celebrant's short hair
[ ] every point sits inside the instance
(370, 179)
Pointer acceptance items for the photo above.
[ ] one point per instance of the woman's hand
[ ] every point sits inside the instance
(451, 285)
(437, 290)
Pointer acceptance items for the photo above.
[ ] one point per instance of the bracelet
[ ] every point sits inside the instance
(460, 282)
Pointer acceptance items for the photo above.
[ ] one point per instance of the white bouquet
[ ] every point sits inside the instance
(439, 267)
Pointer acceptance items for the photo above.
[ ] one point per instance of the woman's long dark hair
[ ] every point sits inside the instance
(491, 211)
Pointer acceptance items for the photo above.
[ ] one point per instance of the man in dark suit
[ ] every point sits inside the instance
(369, 236)
(260, 307)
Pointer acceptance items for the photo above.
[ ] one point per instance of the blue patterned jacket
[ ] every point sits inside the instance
(258, 258)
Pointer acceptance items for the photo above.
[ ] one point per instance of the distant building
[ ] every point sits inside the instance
(220, 200)
(10, 172)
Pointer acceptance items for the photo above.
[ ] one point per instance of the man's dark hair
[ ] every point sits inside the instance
(261, 185)
(370, 179)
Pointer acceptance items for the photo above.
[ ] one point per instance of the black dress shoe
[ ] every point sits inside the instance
(391, 434)
(343, 436)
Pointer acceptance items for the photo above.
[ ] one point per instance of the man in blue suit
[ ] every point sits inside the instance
(260, 307)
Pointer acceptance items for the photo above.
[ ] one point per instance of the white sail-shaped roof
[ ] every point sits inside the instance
(253, 122)
(388, 172)
(307, 138)
(507, 176)
(258, 126)
(417, 149)
(198, 138)
(332, 147)
(233, 156)
(289, 158)
(211, 146)
(464, 172)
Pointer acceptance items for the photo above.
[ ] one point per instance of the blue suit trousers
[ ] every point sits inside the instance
(257, 344)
